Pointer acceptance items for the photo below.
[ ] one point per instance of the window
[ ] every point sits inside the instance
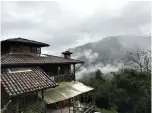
(18, 48)
(38, 50)
(18, 70)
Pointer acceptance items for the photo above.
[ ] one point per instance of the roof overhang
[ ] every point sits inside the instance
(35, 64)
(24, 41)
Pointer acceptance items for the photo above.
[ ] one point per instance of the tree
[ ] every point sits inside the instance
(130, 91)
(98, 75)
(141, 60)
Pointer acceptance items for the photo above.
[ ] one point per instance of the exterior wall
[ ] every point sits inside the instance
(6, 48)
(51, 70)
(4, 97)
(65, 69)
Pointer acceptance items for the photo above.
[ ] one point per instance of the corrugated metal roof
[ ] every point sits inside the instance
(64, 91)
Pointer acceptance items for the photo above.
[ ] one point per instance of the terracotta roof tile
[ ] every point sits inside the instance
(11, 59)
(22, 82)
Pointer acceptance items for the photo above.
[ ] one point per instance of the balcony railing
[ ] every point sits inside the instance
(63, 78)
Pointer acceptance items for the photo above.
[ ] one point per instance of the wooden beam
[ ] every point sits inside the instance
(69, 105)
(36, 95)
(17, 104)
(74, 71)
(44, 104)
(44, 107)
(24, 101)
(79, 67)
(42, 95)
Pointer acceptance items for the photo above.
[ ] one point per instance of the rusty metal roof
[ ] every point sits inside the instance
(25, 41)
(21, 59)
(23, 82)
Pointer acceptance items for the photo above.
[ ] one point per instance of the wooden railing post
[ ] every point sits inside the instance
(74, 71)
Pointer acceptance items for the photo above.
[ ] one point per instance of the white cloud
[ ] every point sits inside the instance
(92, 68)
(88, 54)
(66, 24)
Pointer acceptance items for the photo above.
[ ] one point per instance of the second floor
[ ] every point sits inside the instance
(20, 45)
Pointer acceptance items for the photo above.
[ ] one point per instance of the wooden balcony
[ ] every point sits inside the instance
(63, 78)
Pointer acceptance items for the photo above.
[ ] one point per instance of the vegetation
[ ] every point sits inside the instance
(141, 61)
(29, 111)
(127, 92)
(1, 111)
(34, 107)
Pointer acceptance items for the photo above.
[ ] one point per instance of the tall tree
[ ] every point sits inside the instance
(140, 60)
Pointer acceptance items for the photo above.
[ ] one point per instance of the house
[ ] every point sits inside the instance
(30, 78)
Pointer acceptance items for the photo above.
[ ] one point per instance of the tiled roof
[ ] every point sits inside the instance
(13, 59)
(23, 82)
(22, 40)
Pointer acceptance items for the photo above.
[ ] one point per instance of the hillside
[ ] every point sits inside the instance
(109, 51)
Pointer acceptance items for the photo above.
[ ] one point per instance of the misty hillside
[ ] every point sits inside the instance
(110, 50)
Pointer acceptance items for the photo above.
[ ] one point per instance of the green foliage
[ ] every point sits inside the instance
(129, 91)
(1, 111)
(29, 111)
(98, 75)
(34, 107)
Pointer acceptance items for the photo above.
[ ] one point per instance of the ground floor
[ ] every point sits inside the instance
(68, 97)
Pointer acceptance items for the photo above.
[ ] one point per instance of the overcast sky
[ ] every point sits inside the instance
(69, 23)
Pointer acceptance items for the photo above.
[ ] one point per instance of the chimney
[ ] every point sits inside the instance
(67, 54)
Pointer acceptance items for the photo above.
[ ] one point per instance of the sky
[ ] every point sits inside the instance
(70, 23)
